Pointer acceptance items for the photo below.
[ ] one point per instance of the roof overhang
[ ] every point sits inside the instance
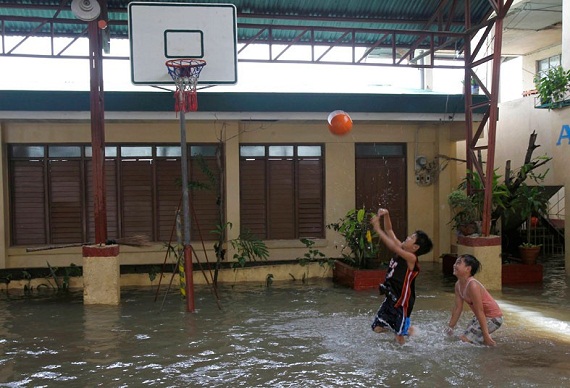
(66, 105)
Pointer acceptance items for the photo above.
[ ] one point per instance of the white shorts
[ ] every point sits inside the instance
(474, 333)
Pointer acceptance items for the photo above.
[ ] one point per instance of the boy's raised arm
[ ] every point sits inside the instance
(393, 244)
(388, 225)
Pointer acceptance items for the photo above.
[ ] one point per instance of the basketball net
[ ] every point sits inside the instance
(185, 73)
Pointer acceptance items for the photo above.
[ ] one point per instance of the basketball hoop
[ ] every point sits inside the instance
(185, 73)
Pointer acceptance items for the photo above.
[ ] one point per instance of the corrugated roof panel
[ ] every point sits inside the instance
(325, 20)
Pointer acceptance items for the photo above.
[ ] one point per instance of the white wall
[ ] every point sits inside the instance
(517, 120)
(566, 34)
(529, 64)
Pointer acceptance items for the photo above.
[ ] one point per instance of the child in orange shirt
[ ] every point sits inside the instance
(488, 316)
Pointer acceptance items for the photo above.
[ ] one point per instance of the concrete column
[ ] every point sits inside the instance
(5, 222)
(101, 275)
(566, 34)
(442, 213)
(231, 137)
(488, 251)
(566, 65)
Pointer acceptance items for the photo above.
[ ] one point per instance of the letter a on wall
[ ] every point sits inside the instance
(564, 134)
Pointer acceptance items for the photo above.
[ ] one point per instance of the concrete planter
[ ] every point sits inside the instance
(521, 273)
(357, 279)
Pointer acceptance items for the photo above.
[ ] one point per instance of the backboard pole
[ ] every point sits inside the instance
(186, 216)
(97, 132)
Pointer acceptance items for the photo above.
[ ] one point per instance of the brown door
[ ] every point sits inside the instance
(381, 182)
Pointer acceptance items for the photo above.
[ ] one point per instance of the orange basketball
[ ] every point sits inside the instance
(340, 123)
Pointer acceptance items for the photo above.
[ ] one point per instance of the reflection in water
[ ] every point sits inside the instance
(288, 335)
(102, 332)
(7, 339)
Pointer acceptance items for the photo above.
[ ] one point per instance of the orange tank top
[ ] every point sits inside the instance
(490, 307)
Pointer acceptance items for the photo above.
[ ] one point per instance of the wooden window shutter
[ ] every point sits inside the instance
(66, 202)
(281, 217)
(204, 211)
(110, 199)
(169, 195)
(137, 200)
(310, 198)
(28, 203)
(253, 205)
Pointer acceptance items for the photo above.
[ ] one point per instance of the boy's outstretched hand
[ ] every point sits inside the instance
(382, 212)
(375, 221)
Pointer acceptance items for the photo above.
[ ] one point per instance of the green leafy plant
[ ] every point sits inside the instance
(468, 209)
(473, 82)
(465, 211)
(71, 271)
(529, 245)
(247, 246)
(524, 200)
(53, 275)
(153, 272)
(61, 276)
(528, 201)
(314, 255)
(27, 287)
(6, 278)
(553, 86)
(359, 237)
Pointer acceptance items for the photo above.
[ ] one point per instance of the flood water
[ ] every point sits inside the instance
(288, 334)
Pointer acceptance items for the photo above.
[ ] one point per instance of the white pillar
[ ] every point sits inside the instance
(488, 251)
(101, 275)
(566, 34)
(5, 223)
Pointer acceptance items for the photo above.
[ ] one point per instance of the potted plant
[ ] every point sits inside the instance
(553, 87)
(532, 170)
(465, 212)
(529, 201)
(474, 86)
(358, 250)
(468, 209)
(357, 232)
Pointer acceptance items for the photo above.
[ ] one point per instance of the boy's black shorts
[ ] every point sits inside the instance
(392, 317)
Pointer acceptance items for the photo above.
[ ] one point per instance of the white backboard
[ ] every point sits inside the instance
(162, 31)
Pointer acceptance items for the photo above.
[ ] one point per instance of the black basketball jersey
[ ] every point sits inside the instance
(402, 282)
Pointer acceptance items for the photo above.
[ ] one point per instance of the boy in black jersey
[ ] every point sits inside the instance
(399, 286)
